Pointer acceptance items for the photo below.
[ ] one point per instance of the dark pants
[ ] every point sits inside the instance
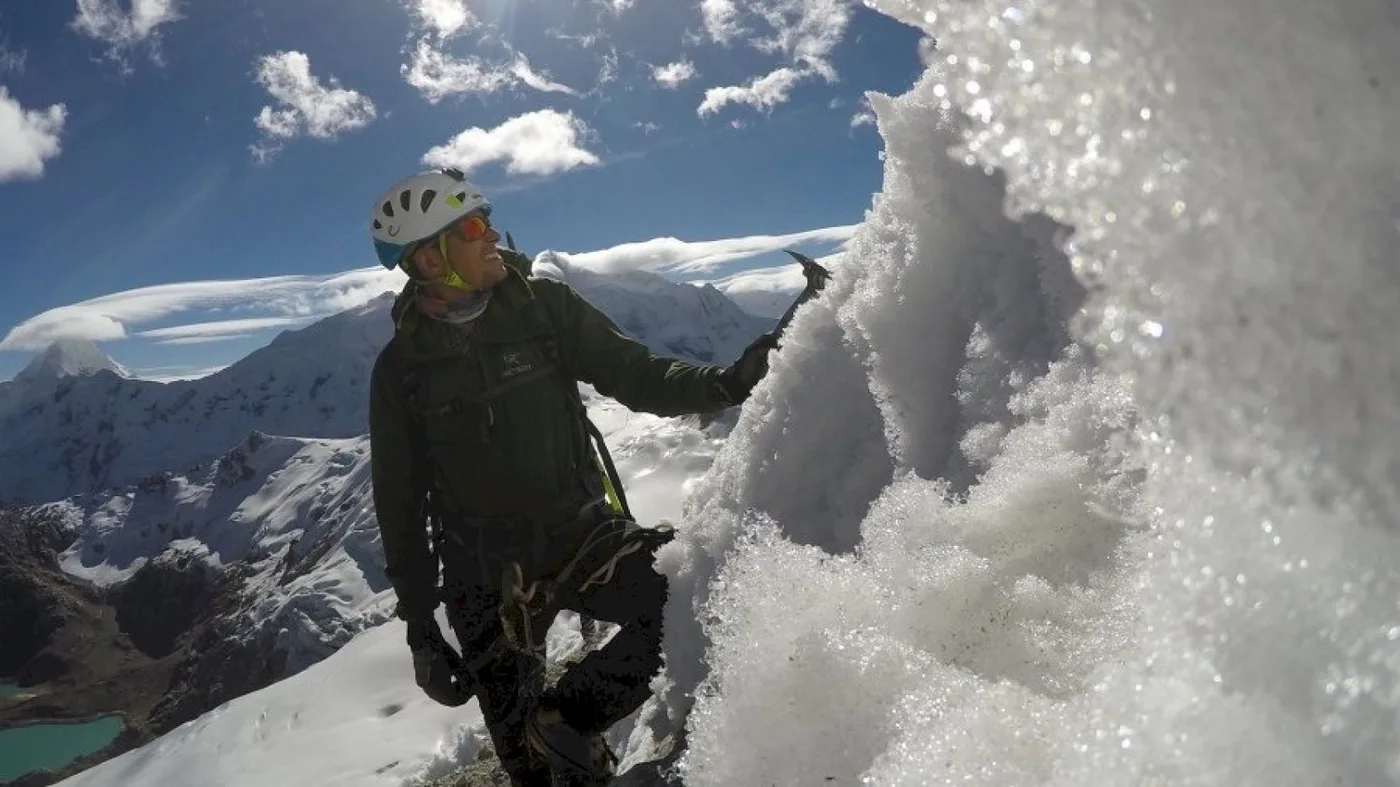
(596, 693)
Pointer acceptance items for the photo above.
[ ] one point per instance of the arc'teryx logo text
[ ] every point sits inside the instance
(512, 364)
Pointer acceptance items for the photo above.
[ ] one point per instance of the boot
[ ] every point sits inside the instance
(575, 759)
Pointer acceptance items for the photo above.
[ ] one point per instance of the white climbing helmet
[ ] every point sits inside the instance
(419, 207)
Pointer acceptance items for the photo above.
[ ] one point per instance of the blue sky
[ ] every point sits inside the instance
(157, 142)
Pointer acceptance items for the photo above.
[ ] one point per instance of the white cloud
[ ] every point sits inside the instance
(721, 20)
(763, 93)
(28, 137)
(768, 290)
(222, 337)
(647, 127)
(121, 30)
(865, 116)
(522, 71)
(307, 106)
(608, 71)
(437, 75)
(803, 32)
(785, 277)
(617, 6)
(584, 40)
(445, 17)
(543, 142)
(219, 330)
(672, 255)
(279, 298)
(672, 75)
(10, 60)
(284, 301)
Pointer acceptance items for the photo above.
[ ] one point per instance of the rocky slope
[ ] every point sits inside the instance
(173, 639)
(83, 650)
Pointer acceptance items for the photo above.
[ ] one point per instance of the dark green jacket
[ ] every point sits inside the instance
(523, 453)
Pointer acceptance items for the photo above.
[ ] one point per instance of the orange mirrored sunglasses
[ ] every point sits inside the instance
(473, 227)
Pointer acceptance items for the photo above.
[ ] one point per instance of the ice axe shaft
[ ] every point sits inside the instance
(816, 276)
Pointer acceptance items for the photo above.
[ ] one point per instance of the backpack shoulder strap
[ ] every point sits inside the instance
(612, 482)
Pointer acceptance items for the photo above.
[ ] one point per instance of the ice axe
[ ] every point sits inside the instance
(816, 276)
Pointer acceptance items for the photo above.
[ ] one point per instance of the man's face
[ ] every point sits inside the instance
(477, 261)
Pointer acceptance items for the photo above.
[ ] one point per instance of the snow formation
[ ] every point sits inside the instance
(1176, 561)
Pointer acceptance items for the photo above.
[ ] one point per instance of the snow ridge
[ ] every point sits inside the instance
(296, 514)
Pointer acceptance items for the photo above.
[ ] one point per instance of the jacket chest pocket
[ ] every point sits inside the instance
(457, 424)
(464, 404)
(507, 364)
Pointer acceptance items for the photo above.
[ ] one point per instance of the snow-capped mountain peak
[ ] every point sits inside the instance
(69, 357)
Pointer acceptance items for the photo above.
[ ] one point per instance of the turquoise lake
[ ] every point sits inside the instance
(50, 745)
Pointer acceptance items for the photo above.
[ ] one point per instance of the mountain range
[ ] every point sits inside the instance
(74, 421)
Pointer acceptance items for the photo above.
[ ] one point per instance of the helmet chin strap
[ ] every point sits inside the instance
(451, 279)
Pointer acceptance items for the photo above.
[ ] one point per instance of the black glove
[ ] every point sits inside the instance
(436, 664)
(738, 380)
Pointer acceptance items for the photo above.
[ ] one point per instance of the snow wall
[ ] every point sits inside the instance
(1021, 505)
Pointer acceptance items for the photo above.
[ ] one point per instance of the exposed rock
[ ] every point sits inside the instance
(160, 649)
(221, 662)
(163, 600)
(28, 620)
(30, 602)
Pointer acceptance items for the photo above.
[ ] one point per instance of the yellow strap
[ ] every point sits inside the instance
(451, 279)
(608, 489)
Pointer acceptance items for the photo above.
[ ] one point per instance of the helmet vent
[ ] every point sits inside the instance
(426, 199)
(388, 208)
(404, 197)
